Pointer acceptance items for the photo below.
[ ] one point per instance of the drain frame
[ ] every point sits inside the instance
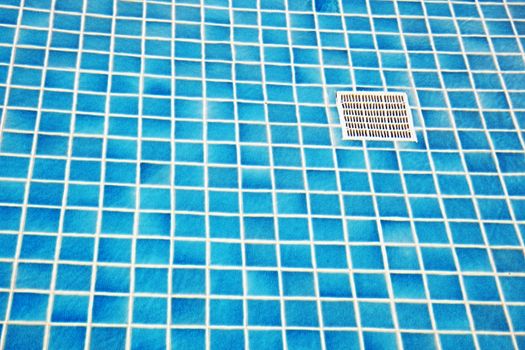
(375, 116)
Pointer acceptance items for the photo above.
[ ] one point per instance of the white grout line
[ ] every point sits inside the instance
(286, 298)
(10, 68)
(442, 207)
(136, 217)
(100, 209)
(293, 58)
(384, 255)
(288, 145)
(65, 193)
(266, 10)
(188, 77)
(169, 340)
(204, 100)
(27, 184)
(407, 201)
(240, 199)
(346, 231)
(468, 308)
(278, 83)
(475, 201)
(514, 121)
(12, 284)
(272, 178)
(334, 141)
(286, 269)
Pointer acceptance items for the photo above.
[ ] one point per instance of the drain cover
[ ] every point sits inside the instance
(382, 116)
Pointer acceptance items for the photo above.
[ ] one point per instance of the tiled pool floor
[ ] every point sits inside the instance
(173, 175)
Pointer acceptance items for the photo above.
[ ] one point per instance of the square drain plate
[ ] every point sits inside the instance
(380, 116)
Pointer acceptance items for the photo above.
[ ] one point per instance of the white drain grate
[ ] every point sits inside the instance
(375, 116)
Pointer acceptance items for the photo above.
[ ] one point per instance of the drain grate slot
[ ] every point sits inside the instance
(375, 116)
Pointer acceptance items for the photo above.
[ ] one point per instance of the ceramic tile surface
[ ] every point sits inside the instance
(173, 175)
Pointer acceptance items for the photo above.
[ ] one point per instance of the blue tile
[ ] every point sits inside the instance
(334, 285)
(258, 227)
(227, 339)
(301, 339)
(265, 340)
(402, 258)
(511, 287)
(408, 286)
(517, 315)
(338, 314)
(226, 254)
(82, 195)
(189, 253)
(501, 342)
(113, 338)
(296, 256)
(67, 337)
(508, 260)
(112, 279)
(413, 316)
(330, 256)
(151, 280)
(29, 307)
(148, 310)
(38, 247)
(73, 278)
(226, 282)
(489, 317)
(184, 338)
(33, 276)
(454, 341)
(450, 317)
(76, 249)
(186, 281)
(260, 255)
(301, 314)
(367, 257)
(114, 250)
(149, 251)
(220, 226)
(187, 311)
(293, 229)
(298, 284)
(438, 259)
(24, 337)
(443, 287)
(148, 338)
(376, 315)
(370, 286)
(110, 309)
(68, 308)
(226, 312)
(264, 313)
(418, 341)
